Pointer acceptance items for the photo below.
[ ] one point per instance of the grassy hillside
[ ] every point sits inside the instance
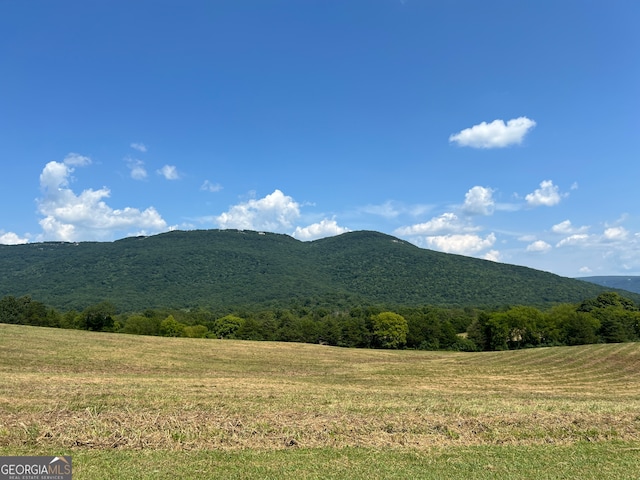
(237, 268)
(149, 407)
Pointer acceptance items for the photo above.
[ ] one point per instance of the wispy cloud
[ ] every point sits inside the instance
(211, 187)
(566, 228)
(392, 209)
(136, 168)
(538, 246)
(496, 134)
(76, 160)
(448, 222)
(141, 147)
(170, 172)
(572, 240)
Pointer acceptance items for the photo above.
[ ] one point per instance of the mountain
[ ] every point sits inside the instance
(232, 268)
(630, 283)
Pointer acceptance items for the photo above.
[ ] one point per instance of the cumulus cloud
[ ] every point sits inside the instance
(493, 255)
(538, 246)
(169, 172)
(616, 233)
(463, 244)
(576, 239)
(85, 216)
(275, 213)
(211, 187)
(136, 169)
(566, 228)
(479, 201)
(141, 147)
(548, 195)
(10, 238)
(325, 228)
(445, 223)
(496, 134)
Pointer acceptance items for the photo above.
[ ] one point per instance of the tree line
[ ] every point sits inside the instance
(607, 318)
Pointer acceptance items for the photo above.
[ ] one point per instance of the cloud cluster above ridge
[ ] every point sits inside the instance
(69, 216)
(276, 212)
(10, 238)
(496, 134)
(324, 228)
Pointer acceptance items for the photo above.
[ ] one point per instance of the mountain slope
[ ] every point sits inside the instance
(223, 268)
(630, 283)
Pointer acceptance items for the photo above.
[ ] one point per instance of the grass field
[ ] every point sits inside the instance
(149, 407)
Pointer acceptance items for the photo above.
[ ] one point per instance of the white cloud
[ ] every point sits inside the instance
(538, 246)
(585, 270)
(136, 167)
(325, 228)
(86, 216)
(76, 160)
(10, 238)
(211, 187)
(141, 147)
(391, 209)
(577, 239)
(385, 210)
(616, 233)
(275, 213)
(169, 172)
(566, 228)
(548, 195)
(445, 223)
(463, 244)
(493, 255)
(496, 134)
(479, 201)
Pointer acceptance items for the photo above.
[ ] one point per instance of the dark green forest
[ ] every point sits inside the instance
(217, 269)
(607, 318)
(361, 289)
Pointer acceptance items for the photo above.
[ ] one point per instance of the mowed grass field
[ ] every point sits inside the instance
(150, 407)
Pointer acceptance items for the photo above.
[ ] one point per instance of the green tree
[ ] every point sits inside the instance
(573, 327)
(142, 325)
(389, 330)
(618, 316)
(227, 326)
(170, 327)
(98, 317)
(196, 331)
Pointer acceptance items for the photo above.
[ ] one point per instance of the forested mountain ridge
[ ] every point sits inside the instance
(217, 268)
(629, 283)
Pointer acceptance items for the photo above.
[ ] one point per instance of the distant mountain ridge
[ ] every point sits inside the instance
(232, 268)
(629, 283)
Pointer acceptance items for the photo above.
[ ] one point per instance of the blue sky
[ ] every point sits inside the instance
(501, 130)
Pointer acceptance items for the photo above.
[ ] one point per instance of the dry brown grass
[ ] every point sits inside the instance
(72, 389)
